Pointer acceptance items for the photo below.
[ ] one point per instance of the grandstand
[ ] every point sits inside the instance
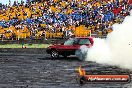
(61, 18)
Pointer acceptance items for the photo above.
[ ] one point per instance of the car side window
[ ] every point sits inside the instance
(69, 41)
(84, 41)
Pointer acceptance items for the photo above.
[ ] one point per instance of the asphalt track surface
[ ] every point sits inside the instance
(23, 70)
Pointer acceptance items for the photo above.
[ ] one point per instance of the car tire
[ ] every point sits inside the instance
(54, 54)
(80, 55)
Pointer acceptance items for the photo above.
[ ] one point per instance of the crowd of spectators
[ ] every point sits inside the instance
(62, 16)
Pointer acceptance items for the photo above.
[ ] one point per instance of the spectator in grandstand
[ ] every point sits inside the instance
(44, 35)
(59, 15)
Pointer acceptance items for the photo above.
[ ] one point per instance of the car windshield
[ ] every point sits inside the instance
(69, 41)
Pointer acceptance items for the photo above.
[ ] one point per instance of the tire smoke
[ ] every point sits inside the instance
(82, 52)
(116, 49)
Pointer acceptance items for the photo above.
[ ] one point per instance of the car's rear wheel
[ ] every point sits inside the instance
(54, 54)
(80, 55)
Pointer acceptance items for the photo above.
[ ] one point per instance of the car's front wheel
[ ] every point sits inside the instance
(54, 54)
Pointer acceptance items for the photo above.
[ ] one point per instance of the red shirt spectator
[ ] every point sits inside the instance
(117, 10)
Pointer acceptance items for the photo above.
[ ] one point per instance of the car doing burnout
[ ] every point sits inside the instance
(69, 47)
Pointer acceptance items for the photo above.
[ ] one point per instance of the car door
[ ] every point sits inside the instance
(80, 42)
(69, 46)
(75, 46)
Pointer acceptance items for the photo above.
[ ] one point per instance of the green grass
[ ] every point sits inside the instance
(27, 45)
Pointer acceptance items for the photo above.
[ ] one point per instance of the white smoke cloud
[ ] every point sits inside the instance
(116, 49)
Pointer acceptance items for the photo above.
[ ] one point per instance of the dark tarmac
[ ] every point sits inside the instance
(23, 70)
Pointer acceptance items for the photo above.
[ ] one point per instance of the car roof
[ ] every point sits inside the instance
(83, 37)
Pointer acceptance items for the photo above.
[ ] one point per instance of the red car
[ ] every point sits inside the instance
(69, 47)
